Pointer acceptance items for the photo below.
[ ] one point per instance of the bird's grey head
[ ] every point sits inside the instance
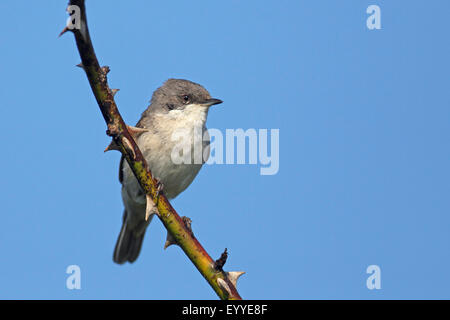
(177, 95)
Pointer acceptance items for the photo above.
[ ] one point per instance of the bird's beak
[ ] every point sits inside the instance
(211, 102)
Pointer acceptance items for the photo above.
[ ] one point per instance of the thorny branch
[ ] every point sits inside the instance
(179, 230)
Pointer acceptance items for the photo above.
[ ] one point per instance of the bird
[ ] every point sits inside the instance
(179, 105)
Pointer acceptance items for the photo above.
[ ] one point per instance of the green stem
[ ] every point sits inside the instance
(117, 129)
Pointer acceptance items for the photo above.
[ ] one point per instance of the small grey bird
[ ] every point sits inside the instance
(176, 105)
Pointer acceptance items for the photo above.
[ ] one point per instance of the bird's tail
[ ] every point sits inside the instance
(129, 242)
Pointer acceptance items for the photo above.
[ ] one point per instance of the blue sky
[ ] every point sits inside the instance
(364, 148)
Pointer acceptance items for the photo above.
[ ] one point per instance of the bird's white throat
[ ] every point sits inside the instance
(193, 115)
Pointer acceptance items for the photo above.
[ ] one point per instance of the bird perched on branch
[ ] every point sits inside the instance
(166, 136)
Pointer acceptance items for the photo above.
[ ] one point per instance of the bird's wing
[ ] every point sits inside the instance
(122, 158)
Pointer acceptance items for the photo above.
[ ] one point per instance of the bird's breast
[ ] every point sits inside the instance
(161, 146)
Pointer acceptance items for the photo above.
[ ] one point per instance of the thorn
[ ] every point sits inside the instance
(127, 144)
(135, 131)
(112, 146)
(222, 283)
(80, 65)
(114, 91)
(63, 31)
(169, 241)
(150, 207)
(219, 263)
(233, 276)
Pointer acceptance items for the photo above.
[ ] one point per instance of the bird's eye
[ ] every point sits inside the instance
(186, 98)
